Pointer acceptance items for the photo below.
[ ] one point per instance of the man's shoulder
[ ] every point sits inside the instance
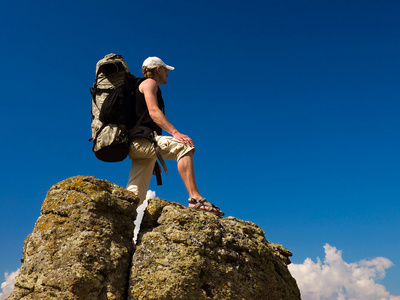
(148, 84)
(148, 81)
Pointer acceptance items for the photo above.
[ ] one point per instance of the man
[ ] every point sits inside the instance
(179, 147)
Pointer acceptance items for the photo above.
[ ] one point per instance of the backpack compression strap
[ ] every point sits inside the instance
(158, 153)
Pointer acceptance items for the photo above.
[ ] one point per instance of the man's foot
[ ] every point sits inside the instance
(203, 204)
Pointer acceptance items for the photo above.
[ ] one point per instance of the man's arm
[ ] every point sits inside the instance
(149, 89)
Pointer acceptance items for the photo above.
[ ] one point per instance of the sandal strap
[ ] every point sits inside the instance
(203, 202)
(197, 203)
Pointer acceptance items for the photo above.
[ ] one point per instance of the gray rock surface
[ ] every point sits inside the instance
(81, 248)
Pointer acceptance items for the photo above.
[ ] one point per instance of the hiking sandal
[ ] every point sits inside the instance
(209, 207)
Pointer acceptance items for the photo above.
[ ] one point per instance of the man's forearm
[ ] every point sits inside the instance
(161, 120)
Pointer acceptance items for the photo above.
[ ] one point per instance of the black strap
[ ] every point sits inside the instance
(160, 158)
(158, 153)
(94, 90)
(157, 172)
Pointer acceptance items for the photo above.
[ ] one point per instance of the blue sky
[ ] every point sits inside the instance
(293, 107)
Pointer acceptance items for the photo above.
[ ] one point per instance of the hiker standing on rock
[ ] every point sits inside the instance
(148, 143)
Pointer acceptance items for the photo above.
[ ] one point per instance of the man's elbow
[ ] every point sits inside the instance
(154, 113)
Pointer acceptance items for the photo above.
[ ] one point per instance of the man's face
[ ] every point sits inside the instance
(163, 74)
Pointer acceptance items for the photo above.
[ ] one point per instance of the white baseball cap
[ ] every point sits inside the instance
(154, 62)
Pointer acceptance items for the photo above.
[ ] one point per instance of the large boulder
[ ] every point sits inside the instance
(188, 254)
(81, 245)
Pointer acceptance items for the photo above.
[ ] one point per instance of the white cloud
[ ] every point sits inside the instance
(140, 212)
(8, 285)
(337, 280)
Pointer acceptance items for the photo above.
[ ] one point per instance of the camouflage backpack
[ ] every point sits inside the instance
(113, 108)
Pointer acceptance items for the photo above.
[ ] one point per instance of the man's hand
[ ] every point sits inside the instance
(184, 139)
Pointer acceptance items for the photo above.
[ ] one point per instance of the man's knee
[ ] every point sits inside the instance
(188, 154)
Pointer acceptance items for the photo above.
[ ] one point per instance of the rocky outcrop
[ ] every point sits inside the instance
(81, 248)
(186, 254)
(81, 245)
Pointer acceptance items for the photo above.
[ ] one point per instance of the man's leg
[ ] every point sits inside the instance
(139, 177)
(143, 159)
(176, 150)
(186, 170)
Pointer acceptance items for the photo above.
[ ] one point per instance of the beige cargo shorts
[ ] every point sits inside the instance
(143, 157)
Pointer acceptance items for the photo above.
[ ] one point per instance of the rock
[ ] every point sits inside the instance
(187, 254)
(81, 245)
(81, 248)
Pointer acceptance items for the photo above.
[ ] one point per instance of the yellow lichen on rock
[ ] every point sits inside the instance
(82, 248)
